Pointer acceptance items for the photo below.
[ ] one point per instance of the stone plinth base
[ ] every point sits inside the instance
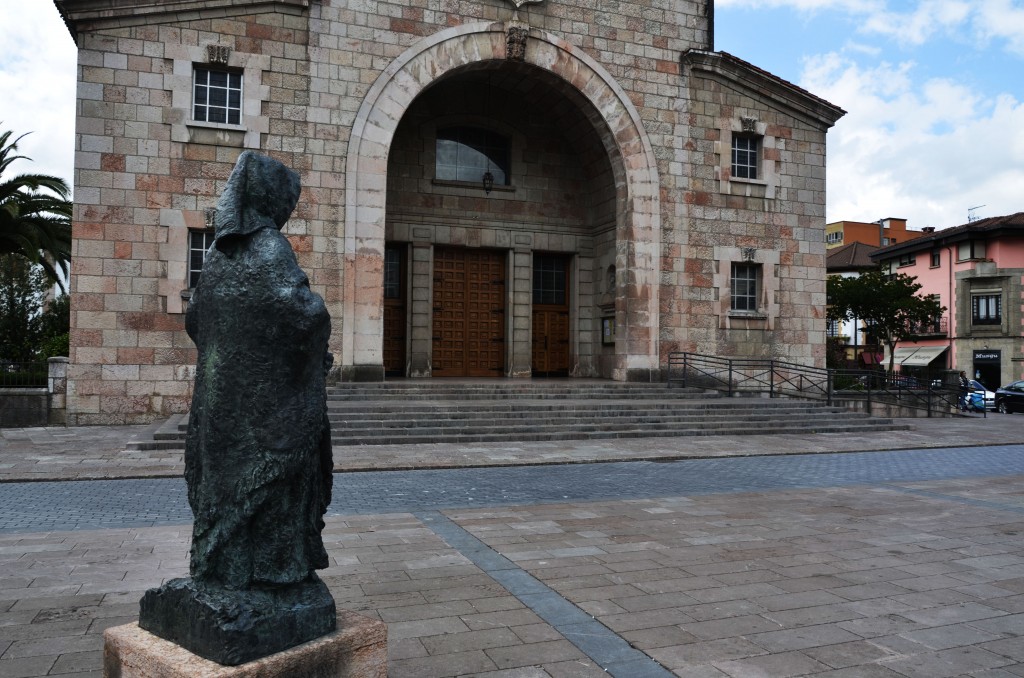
(358, 649)
(231, 626)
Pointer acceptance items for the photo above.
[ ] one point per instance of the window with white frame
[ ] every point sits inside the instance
(986, 309)
(216, 96)
(743, 286)
(199, 244)
(745, 153)
(973, 249)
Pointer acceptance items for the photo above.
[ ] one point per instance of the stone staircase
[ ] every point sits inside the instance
(456, 412)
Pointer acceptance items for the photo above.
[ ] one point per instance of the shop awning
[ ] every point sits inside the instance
(902, 354)
(922, 356)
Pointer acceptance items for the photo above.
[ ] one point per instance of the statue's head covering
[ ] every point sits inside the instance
(261, 192)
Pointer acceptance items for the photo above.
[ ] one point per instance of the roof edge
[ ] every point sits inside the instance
(750, 77)
(86, 15)
(1012, 224)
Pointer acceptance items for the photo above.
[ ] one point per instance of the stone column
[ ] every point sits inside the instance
(420, 331)
(521, 308)
(57, 386)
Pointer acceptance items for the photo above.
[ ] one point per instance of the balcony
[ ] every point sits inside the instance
(937, 327)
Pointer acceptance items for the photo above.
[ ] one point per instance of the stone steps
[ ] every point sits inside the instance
(438, 411)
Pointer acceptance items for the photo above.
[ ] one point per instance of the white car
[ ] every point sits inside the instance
(989, 396)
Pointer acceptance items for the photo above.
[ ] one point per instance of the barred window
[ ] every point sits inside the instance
(986, 309)
(216, 96)
(550, 279)
(199, 244)
(744, 286)
(392, 273)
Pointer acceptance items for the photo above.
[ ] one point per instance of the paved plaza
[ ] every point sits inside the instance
(740, 556)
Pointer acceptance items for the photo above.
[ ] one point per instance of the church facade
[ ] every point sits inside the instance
(491, 188)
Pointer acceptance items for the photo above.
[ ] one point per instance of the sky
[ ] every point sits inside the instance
(933, 89)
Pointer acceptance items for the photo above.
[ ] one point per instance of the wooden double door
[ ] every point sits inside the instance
(468, 313)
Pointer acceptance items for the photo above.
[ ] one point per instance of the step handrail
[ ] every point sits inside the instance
(782, 378)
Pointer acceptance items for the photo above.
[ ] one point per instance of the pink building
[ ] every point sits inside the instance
(976, 270)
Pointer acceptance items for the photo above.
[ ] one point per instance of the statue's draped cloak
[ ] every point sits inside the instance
(258, 456)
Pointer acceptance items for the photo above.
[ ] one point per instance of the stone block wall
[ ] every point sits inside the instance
(775, 222)
(649, 204)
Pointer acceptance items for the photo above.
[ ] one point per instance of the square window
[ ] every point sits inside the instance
(744, 286)
(745, 151)
(216, 96)
(986, 309)
(199, 244)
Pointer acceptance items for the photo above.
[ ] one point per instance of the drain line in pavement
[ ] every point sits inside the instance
(594, 639)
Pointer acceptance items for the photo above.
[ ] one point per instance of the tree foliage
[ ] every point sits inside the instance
(888, 304)
(29, 333)
(35, 215)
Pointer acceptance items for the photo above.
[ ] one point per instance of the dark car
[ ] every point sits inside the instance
(1010, 398)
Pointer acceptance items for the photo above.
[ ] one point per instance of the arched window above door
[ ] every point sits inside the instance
(467, 153)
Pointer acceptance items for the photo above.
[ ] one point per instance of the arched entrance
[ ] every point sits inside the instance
(608, 241)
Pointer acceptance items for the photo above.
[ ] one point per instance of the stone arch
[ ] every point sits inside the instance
(638, 219)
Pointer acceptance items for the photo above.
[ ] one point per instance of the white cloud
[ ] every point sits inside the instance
(926, 152)
(916, 27)
(850, 6)
(1000, 19)
(964, 20)
(37, 79)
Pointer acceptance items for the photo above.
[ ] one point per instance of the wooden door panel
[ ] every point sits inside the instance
(469, 313)
(551, 354)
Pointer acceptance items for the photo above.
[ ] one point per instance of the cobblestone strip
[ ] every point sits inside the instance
(123, 503)
(613, 654)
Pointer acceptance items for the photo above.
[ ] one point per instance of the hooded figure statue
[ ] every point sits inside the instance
(258, 452)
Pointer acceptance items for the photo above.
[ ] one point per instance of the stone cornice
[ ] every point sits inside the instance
(87, 15)
(742, 75)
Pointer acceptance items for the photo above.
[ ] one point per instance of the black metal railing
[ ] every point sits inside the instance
(935, 326)
(23, 375)
(780, 378)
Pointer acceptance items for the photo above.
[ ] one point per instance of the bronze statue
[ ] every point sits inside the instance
(258, 452)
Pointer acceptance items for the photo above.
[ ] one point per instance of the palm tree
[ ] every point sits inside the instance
(35, 215)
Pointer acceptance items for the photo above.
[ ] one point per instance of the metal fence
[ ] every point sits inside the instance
(23, 375)
(780, 378)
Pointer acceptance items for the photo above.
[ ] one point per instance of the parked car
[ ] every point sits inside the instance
(989, 396)
(1010, 398)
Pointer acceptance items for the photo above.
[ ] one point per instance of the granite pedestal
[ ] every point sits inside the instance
(358, 649)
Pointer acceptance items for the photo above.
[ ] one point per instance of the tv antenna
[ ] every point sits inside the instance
(971, 218)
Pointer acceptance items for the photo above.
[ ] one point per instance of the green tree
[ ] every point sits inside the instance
(888, 304)
(35, 215)
(55, 328)
(23, 289)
